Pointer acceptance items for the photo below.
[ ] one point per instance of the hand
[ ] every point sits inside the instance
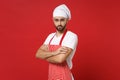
(61, 50)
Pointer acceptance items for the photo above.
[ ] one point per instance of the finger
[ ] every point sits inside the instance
(64, 51)
(63, 47)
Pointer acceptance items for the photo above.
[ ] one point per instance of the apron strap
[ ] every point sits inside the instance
(52, 38)
(61, 38)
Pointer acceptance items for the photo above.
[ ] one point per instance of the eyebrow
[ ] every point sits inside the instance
(59, 19)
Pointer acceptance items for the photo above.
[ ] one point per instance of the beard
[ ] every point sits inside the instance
(60, 28)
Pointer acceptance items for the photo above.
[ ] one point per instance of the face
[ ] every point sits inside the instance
(60, 23)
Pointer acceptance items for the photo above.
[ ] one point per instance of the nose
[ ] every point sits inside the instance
(59, 23)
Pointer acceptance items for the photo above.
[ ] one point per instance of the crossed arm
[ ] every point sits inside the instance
(58, 56)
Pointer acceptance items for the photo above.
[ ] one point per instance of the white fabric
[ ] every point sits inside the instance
(62, 10)
(70, 40)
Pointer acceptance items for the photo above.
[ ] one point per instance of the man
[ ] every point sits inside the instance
(59, 47)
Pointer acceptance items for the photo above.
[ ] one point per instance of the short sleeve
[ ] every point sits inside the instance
(48, 38)
(70, 40)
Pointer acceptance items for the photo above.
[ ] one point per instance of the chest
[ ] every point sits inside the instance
(56, 40)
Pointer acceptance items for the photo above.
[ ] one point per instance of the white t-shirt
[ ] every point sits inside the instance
(70, 40)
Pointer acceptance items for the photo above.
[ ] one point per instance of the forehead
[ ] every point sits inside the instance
(59, 17)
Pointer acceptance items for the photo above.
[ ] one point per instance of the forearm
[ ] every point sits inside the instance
(60, 58)
(43, 54)
(55, 59)
(57, 56)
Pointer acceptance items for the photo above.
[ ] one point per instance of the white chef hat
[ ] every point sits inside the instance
(62, 10)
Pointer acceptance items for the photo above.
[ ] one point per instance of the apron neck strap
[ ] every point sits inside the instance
(61, 38)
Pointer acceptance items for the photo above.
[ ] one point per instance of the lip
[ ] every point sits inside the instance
(59, 26)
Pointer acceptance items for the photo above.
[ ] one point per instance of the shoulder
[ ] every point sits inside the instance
(71, 34)
(48, 38)
(51, 35)
(70, 40)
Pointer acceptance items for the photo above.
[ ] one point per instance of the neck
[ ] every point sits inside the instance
(58, 33)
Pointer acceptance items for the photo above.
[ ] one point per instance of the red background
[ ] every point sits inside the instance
(24, 25)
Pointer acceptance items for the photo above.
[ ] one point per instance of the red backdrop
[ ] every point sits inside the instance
(24, 25)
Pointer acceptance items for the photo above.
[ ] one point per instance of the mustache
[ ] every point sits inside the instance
(59, 26)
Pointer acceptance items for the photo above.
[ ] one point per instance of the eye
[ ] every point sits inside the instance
(62, 20)
(56, 20)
